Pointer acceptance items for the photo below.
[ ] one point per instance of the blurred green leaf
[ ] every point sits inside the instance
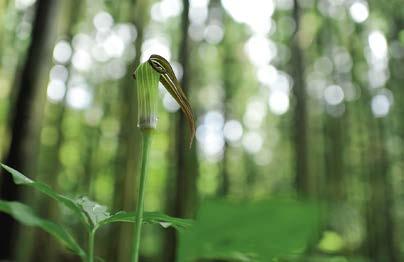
(258, 231)
(331, 242)
(166, 221)
(151, 218)
(20, 179)
(24, 214)
(336, 258)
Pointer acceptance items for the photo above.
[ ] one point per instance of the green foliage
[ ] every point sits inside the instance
(259, 231)
(93, 211)
(336, 259)
(94, 214)
(20, 179)
(149, 218)
(331, 242)
(98, 215)
(24, 214)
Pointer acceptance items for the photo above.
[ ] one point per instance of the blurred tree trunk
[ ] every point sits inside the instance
(335, 140)
(382, 243)
(252, 175)
(44, 248)
(129, 137)
(3, 11)
(186, 192)
(94, 138)
(302, 177)
(227, 50)
(186, 159)
(396, 64)
(335, 126)
(169, 247)
(27, 112)
(216, 12)
(381, 239)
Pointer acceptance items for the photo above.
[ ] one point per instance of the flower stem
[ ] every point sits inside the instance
(91, 236)
(146, 139)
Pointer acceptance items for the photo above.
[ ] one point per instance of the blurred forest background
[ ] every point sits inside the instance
(292, 99)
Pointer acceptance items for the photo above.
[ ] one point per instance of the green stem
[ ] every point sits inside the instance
(146, 139)
(91, 236)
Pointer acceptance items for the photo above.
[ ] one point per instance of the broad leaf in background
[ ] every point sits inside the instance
(335, 258)
(257, 231)
(20, 179)
(151, 218)
(24, 214)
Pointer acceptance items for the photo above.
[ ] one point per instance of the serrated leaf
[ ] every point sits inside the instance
(94, 211)
(20, 179)
(24, 214)
(150, 218)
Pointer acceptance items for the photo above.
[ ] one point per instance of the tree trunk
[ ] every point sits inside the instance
(44, 248)
(186, 167)
(381, 239)
(27, 114)
(228, 86)
(302, 179)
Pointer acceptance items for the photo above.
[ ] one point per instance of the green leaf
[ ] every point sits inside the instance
(26, 216)
(166, 221)
(150, 218)
(336, 258)
(98, 215)
(20, 179)
(94, 211)
(257, 231)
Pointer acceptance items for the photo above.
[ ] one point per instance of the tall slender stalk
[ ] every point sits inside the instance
(146, 139)
(91, 236)
(148, 75)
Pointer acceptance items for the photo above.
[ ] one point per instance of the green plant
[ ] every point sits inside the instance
(148, 75)
(91, 214)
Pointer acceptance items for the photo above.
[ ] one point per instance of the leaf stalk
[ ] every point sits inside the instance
(146, 140)
(91, 237)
